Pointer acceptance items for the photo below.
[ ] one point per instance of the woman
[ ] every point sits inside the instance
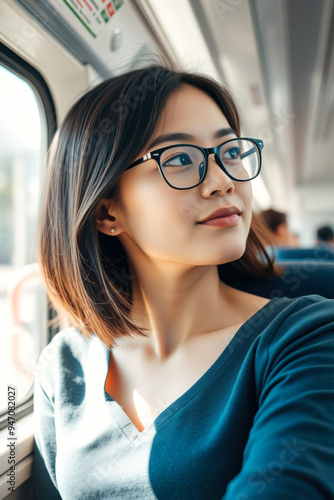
(170, 384)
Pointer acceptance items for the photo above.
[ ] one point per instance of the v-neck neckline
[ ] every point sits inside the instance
(128, 427)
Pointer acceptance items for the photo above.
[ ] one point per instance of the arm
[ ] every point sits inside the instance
(290, 450)
(45, 448)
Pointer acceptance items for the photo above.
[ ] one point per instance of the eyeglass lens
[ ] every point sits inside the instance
(183, 166)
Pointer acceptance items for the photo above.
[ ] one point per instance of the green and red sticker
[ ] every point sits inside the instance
(91, 13)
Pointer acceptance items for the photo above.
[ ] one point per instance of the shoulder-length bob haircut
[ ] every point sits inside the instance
(86, 272)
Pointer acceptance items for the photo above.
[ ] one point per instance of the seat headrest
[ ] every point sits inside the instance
(299, 277)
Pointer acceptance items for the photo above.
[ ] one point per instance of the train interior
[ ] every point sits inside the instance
(276, 57)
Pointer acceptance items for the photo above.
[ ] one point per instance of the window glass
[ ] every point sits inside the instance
(23, 304)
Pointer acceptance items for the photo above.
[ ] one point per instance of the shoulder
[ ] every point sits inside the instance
(302, 326)
(67, 357)
(283, 314)
(66, 342)
(301, 314)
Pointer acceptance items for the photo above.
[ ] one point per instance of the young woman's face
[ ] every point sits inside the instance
(164, 223)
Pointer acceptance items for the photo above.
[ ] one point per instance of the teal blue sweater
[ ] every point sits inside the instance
(259, 424)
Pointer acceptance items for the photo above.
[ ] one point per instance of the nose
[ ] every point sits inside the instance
(216, 182)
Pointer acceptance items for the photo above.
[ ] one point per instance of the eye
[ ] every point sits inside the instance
(178, 160)
(231, 153)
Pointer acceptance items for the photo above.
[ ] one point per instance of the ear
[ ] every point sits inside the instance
(105, 220)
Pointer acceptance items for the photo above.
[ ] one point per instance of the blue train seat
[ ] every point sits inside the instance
(320, 252)
(299, 277)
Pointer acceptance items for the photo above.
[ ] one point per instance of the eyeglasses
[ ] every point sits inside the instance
(184, 166)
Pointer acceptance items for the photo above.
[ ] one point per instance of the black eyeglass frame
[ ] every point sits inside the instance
(156, 155)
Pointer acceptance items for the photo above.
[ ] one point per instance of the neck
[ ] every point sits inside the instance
(176, 303)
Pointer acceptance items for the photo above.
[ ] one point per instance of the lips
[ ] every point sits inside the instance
(222, 212)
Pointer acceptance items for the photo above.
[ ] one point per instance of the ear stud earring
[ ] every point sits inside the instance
(112, 230)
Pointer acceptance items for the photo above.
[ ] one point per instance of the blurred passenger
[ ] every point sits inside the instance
(277, 222)
(325, 234)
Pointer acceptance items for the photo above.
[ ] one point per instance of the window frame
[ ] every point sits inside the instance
(14, 63)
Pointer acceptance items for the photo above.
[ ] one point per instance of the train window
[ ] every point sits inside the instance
(23, 302)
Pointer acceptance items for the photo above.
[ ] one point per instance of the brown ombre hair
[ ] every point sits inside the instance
(86, 272)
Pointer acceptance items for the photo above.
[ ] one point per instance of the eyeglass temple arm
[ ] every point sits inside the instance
(148, 156)
(251, 151)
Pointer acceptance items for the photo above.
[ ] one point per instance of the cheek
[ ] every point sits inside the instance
(152, 211)
(245, 193)
(162, 221)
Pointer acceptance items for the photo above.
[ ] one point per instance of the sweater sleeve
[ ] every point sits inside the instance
(290, 449)
(45, 448)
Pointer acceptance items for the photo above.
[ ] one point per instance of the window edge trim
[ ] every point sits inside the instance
(21, 68)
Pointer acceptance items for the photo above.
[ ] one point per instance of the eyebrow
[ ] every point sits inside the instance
(179, 136)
